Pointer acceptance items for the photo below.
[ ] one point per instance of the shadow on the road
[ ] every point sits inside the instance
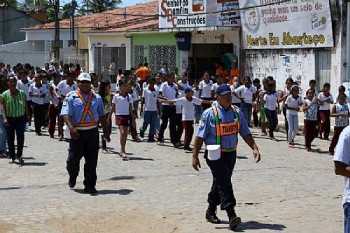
(117, 153)
(10, 188)
(110, 191)
(252, 225)
(28, 158)
(123, 178)
(36, 164)
(242, 157)
(140, 158)
(106, 192)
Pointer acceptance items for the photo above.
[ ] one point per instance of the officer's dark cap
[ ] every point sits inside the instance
(223, 89)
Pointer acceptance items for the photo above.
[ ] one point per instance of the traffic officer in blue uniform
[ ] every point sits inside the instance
(81, 110)
(219, 130)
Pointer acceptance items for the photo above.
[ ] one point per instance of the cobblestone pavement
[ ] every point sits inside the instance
(290, 190)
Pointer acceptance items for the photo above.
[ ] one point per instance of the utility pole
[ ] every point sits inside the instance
(57, 31)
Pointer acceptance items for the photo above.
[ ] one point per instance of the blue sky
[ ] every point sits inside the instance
(132, 2)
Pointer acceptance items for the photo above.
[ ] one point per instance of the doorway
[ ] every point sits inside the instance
(205, 56)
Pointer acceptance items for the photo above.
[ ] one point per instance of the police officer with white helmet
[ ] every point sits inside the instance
(82, 109)
(219, 130)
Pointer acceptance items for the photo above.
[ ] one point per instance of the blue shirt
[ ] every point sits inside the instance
(207, 129)
(74, 107)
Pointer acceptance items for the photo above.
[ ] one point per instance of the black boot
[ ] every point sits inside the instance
(210, 215)
(234, 220)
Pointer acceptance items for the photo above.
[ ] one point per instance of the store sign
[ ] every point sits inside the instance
(271, 24)
(198, 13)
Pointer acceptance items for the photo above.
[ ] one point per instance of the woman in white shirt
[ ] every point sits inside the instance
(122, 108)
(292, 105)
(38, 92)
(247, 94)
(270, 101)
(205, 89)
(325, 99)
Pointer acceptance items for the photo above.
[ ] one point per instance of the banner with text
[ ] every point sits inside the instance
(198, 13)
(271, 24)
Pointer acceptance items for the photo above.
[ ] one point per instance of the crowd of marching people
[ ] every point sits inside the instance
(164, 100)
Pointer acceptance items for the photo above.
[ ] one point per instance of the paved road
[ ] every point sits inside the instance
(291, 190)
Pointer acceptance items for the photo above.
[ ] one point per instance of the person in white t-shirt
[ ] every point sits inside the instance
(122, 108)
(219, 79)
(54, 102)
(168, 90)
(270, 101)
(325, 99)
(151, 111)
(205, 87)
(293, 104)
(342, 167)
(197, 108)
(38, 92)
(247, 94)
(23, 84)
(133, 95)
(188, 103)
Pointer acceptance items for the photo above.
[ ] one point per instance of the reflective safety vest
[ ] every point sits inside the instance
(87, 111)
(224, 129)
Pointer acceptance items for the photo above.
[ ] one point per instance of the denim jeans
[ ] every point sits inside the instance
(272, 118)
(3, 135)
(149, 118)
(346, 207)
(197, 113)
(293, 127)
(16, 125)
(247, 111)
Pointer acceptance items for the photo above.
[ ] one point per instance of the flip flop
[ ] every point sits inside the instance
(124, 156)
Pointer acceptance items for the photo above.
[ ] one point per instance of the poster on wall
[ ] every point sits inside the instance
(268, 24)
(198, 13)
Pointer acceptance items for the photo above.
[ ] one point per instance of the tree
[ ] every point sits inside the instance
(69, 9)
(12, 3)
(97, 6)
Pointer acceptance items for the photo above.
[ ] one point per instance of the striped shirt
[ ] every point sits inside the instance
(15, 106)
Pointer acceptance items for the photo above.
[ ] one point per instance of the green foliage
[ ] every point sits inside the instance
(12, 3)
(97, 6)
(69, 9)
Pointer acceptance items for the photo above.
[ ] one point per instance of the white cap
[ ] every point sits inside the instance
(84, 77)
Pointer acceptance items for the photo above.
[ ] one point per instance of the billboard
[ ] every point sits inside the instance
(272, 24)
(198, 13)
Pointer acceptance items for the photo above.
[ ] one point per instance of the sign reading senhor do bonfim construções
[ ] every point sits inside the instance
(198, 13)
(286, 24)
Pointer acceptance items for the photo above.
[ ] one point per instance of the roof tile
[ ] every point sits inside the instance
(143, 16)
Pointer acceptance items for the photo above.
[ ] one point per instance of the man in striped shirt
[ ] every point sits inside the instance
(14, 117)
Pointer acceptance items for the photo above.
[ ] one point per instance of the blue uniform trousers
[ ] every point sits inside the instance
(86, 145)
(221, 190)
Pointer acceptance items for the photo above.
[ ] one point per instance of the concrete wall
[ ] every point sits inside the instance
(11, 21)
(32, 52)
(153, 39)
(324, 65)
(109, 41)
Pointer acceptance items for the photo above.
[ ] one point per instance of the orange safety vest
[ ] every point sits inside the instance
(87, 111)
(224, 129)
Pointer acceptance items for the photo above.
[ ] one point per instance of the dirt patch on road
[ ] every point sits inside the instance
(6, 227)
(125, 222)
